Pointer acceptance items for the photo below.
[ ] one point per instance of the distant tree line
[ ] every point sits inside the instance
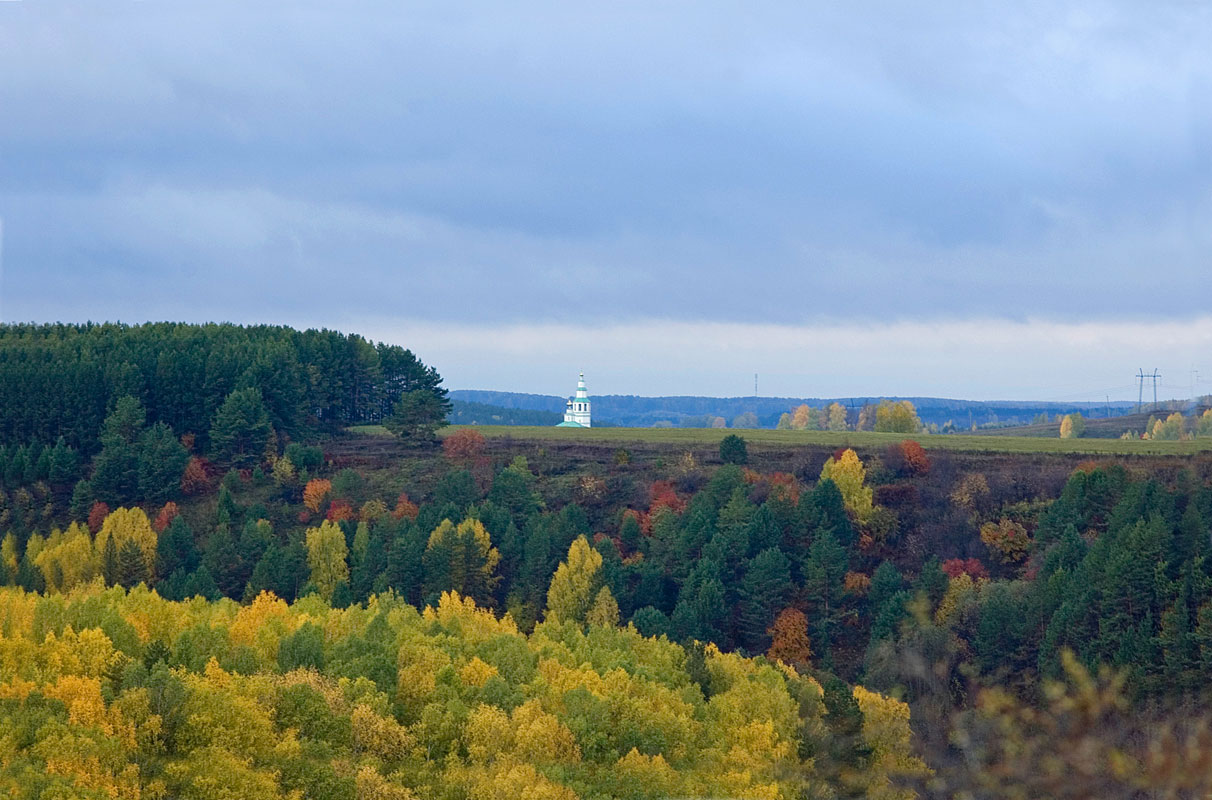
(63, 380)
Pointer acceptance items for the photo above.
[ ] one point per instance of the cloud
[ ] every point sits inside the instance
(791, 164)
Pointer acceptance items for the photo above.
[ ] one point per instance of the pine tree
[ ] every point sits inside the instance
(764, 591)
(240, 429)
(82, 500)
(116, 468)
(824, 572)
(222, 563)
(176, 549)
(131, 568)
(110, 566)
(404, 572)
(162, 461)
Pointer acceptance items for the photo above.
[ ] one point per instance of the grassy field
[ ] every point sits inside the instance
(698, 437)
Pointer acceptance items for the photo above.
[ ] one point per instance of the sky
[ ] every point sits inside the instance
(965, 199)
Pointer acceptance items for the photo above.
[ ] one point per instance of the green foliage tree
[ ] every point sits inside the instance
(417, 415)
(116, 468)
(461, 559)
(764, 592)
(240, 429)
(162, 459)
(733, 450)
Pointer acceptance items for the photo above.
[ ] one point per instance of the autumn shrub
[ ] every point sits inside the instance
(915, 458)
(405, 508)
(464, 446)
(97, 515)
(164, 518)
(954, 567)
(1006, 539)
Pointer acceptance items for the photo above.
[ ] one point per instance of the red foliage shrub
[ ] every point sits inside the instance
(165, 517)
(916, 460)
(196, 478)
(954, 567)
(96, 517)
(340, 510)
(664, 496)
(405, 508)
(785, 486)
(464, 446)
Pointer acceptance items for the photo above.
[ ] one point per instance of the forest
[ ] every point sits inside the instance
(60, 381)
(286, 610)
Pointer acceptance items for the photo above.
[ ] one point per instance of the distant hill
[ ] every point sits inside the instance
(693, 411)
(465, 412)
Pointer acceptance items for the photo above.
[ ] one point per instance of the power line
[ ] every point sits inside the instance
(1140, 395)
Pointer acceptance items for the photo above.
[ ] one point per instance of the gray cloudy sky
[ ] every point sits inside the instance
(951, 198)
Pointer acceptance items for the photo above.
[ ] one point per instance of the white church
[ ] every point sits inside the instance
(576, 415)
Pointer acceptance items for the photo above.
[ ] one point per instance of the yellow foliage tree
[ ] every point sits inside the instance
(326, 556)
(1172, 429)
(1072, 426)
(129, 525)
(886, 731)
(849, 475)
(605, 609)
(837, 417)
(898, 417)
(68, 559)
(575, 584)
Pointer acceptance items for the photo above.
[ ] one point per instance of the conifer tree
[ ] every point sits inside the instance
(82, 500)
(110, 566)
(162, 461)
(131, 568)
(764, 591)
(461, 559)
(240, 429)
(116, 468)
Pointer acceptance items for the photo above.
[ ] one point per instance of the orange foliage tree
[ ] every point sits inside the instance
(856, 583)
(789, 638)
(314, 493)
